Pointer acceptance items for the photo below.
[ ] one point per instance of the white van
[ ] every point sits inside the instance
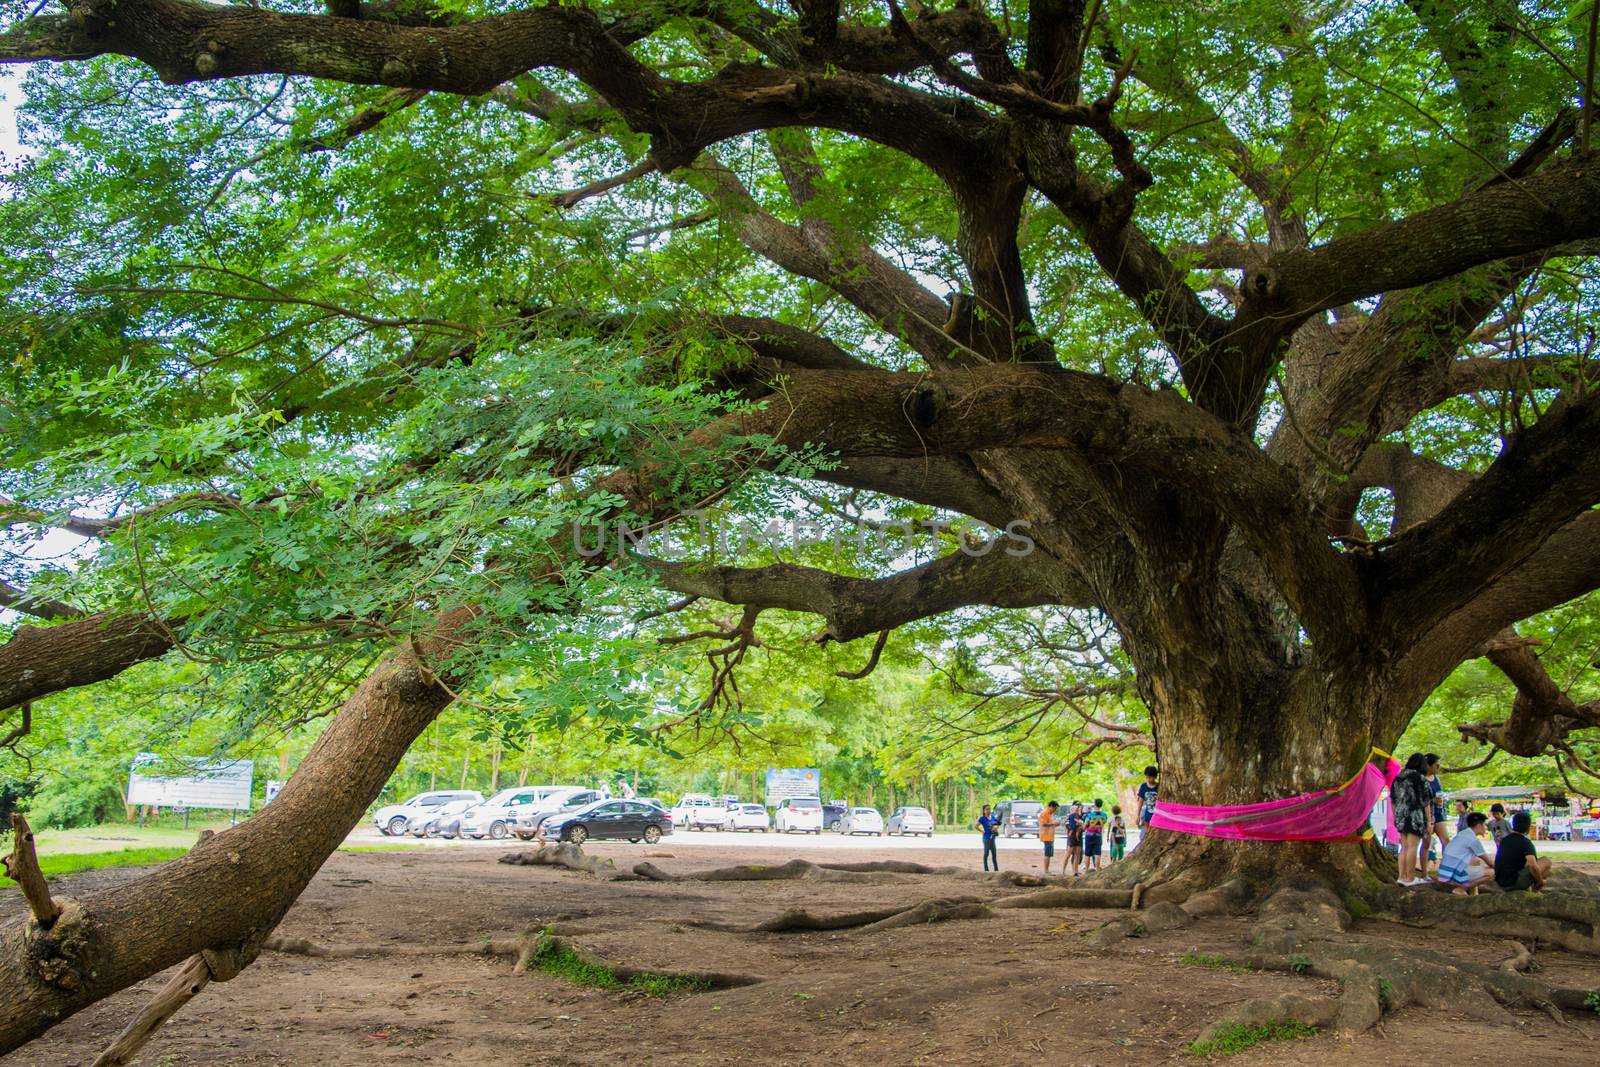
(697, 811)
(802, 814)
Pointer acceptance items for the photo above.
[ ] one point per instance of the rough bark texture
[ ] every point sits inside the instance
(230, 891)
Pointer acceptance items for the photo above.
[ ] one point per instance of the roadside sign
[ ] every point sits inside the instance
(785, 783)
(205, 783)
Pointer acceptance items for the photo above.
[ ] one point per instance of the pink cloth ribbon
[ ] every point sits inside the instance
(1331, 815)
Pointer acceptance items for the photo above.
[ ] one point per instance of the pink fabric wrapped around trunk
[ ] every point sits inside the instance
(1331, 815)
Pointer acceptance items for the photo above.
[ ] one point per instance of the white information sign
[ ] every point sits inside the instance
(207, 783)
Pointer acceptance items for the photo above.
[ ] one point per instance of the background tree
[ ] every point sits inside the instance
(334, 354)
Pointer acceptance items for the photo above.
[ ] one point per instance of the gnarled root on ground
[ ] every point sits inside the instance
(1068, 898)
(920, 913)
(524, 949)
(1566, 916)
(794, 870)
(566, 855)
(1302, 930)
(1016, 878)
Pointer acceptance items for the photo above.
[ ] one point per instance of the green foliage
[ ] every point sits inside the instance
(1300, 964)
(1592, 1002)
(66, 803)
(1235, 1038)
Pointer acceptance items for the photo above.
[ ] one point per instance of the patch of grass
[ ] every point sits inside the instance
(60, 866)
(1236, 1038)
(562, 962)
(1592, 1002)
(1300, 964)
(1213, 960)
(1385, 987)
(389, 846)
(116, 836)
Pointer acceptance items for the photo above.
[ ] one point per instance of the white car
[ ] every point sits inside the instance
(495, 817)
(392, 819)
(908, 821)
(697, 811)
(440, 822)
(860, 821)
(750, 817)
(799, 815)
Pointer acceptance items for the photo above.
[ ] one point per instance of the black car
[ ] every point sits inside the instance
(832, 812)
(1018, 818)
(630, 819)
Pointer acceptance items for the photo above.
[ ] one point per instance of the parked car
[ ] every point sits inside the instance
(749, 817)
(393, 818)
(628, 819)
(495, 817)
(561, 802)
(802, 814)
(697, 811)
(1019, 818)
(832, 812)
(653, 802)
(443, 821)
(908, 822)
(860, 821)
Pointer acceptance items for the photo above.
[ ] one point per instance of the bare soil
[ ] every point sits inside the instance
(1021, 988)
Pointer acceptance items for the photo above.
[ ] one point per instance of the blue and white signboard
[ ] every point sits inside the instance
(203, 783)
(785, 783)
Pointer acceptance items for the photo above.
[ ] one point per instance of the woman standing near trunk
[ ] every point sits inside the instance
(1413, 815)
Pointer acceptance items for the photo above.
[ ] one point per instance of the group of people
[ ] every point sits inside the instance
(1417, 801)
(1088, 832)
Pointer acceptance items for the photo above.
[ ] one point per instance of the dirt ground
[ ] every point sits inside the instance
(1021, 988)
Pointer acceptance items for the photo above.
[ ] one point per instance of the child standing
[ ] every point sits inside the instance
(1119, 834)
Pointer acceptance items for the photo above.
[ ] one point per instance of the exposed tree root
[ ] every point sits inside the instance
(1302, 931)
(524, 949)
(566, 855)
(926, 911)
(1153, 920)
(1068, 898)
(1016, 878)
(1569, 920)
(1520, 960)
(794, 870)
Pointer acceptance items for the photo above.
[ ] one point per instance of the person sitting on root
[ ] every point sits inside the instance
(1517, 864)
(1464, 864)
(1413, 810)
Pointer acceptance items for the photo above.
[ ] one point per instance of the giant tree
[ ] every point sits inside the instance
(328, 325)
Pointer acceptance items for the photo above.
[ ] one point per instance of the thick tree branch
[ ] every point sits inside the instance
(856, 607)
(1545, 477)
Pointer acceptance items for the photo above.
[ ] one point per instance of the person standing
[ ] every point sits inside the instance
(1119, 834)
(1148, 789)
(1499, 825)
(1047, 833)
(1094, 829)
(1437, 827)
(1412, 807)
(1074, 827)
(1463, 809)
(990, 826)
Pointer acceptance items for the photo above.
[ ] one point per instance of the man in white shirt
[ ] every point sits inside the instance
(1464, 864)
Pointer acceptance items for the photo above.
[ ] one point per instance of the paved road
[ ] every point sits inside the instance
(799, 843)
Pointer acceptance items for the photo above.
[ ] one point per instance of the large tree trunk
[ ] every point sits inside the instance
(230, 891)
(1242, 713)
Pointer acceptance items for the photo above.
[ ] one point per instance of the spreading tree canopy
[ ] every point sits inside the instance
(1265, 330)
